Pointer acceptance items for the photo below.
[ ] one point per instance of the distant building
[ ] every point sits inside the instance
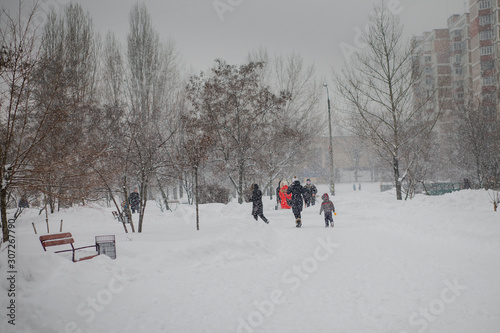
(433, 50)
(484, 54)
(353, 161)
(462, 61)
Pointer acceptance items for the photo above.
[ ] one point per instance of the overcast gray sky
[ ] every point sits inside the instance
(316, 29)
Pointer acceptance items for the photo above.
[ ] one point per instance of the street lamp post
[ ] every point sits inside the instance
(332, 169)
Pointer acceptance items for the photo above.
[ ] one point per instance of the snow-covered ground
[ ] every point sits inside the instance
(431, 264)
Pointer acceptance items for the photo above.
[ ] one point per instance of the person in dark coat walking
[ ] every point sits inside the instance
(297, 192)
(134, 201)
(258, 208)
(310, 193)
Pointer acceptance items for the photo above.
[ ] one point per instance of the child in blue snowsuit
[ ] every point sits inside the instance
(329, 209)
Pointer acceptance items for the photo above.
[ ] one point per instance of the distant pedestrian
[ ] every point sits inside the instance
(278, 198)
(354, 187)
(134, 201)
(126, 212)
(257, 208)
(359, 187)
(310, 193)
(23, 203)
(327, 207)
(297, 192)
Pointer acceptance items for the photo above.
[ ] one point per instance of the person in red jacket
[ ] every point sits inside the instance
(285, 197)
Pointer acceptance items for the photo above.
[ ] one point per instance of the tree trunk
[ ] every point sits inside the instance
(142, 206)
(3, 208)
(241, 173)
(397, 181)
(163, 194)
(196, 197)
(128, 213)
(118, 209)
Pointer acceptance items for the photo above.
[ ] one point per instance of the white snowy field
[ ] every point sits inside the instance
(431, 264)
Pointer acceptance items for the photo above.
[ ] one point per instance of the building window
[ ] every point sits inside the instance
(427, 59)
(489, 98)
(485, 50)
(487, 65)
(458, 70)
(457, 33)
(456, 46)
(488, 80)
(484, 20)
(485, 35)
(485, 4)
(428, 70)
(458, 58)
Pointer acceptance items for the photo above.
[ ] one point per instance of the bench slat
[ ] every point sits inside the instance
(56, 236)
(58, 242)
(88, 257)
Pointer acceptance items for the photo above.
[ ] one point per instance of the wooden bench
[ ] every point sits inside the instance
(62, 239)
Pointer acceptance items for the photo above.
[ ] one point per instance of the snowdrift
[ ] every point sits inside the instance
(431, 264)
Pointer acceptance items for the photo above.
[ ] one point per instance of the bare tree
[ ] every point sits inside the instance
(241, 113)
(68, 72)
(379, 83)
(22, 120)
(152, 78)
(195, 151)
(297, 123)
(112, 72)
(476, 142)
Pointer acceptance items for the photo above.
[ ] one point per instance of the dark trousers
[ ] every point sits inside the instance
(296, 211)
(307, 202)
(257, 211)
(261, 215)
(328, 218)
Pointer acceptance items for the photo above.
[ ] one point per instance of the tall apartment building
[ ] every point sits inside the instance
(432, 51)
(485, 54)
(463, 60)
(460, 68)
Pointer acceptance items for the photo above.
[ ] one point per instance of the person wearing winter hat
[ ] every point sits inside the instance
(284, 197)
(310, 193)
(134, 201)
(297, 192)
(328, 207)
(258, 208)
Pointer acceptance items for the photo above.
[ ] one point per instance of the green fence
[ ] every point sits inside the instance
(441, 188)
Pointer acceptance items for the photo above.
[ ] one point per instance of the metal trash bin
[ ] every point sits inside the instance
(106, 245)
